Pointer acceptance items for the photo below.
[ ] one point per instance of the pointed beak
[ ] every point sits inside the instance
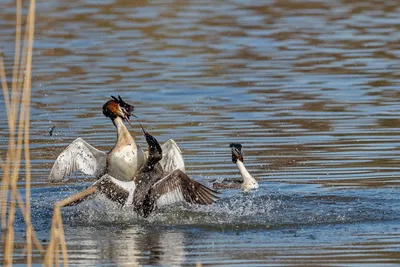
(126, 118)
(236, 155)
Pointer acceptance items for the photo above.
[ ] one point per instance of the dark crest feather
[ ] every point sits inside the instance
(236, 152)
(122, 103)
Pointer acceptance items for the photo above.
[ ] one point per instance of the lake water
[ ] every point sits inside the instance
(310, 89)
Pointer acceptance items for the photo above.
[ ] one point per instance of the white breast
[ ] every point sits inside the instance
(123, 162)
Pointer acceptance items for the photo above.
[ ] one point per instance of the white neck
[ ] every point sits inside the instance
(122, 132)
(243, 171)
(248, 181)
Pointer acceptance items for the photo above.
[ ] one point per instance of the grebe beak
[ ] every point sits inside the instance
(141, 126)
(236, 152)
(126, 118)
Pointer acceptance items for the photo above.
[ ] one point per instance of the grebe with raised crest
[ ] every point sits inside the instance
(150, 188)
(123, 160)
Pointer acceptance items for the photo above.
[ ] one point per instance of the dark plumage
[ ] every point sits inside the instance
(150, 187)
(155, 188)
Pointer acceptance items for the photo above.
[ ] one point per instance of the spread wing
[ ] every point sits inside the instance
(113, 189)
(171, 157)
(79, 156)
(116, 190)
(177, 186)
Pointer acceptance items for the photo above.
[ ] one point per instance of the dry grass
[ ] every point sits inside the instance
(17, 98)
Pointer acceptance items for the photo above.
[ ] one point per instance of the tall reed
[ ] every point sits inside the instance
(17, 98)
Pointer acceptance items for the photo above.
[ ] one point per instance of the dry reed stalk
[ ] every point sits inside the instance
(57, 258)
(27, 88)
(5, 166)
(48, 259)
(57, 241)
(17, 104)
(14, 154)
(12, 181)
(57, 238)
(25, 214)
(63, 244)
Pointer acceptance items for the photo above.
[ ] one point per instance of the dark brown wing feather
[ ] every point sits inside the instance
(112, 190)
(177, 186)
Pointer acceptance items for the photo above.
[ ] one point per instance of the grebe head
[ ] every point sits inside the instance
(117, 108)
(236, 152)
(154, 146)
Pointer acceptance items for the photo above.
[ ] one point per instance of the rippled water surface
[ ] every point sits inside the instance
(310, 88)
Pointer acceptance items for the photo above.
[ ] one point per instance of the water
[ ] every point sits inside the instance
(310, 88)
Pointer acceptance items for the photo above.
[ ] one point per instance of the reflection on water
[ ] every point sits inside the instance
(133, 246)
(309, 87)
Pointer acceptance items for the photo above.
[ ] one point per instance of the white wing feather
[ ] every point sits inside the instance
(170, 198)
(79, 156)
(177, 187)
(172, 157)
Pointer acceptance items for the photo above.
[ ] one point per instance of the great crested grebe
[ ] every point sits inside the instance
(123, 160)
(248, 181)
(150, 188)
